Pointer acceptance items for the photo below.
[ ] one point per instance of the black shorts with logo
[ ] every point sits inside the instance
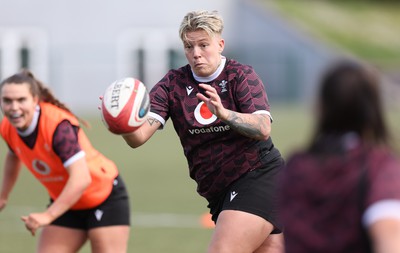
(255, 193)
(113, 211)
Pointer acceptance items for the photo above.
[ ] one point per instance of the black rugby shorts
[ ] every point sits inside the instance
(255, 193)
(113, 211)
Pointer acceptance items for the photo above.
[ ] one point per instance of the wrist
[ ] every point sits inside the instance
(51, 214)
(226, 115)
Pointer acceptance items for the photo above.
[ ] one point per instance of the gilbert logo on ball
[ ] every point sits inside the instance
(125, 105)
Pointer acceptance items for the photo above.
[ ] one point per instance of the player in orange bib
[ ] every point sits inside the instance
(88, 199)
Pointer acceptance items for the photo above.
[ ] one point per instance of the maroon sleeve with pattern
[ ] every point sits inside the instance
(250, 94)
(65, 140)
(383, 176)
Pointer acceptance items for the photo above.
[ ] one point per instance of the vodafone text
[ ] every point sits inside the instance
(52, 179)
(212, 129)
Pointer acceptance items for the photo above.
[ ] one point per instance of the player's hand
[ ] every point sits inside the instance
(101, 99)
(36, 220)
(213, 101)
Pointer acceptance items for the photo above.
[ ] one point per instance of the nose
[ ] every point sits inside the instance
(196, 52)
(13, 105)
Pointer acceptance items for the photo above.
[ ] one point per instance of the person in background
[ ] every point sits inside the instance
(88, 199)
(220, 112)
(342, 192)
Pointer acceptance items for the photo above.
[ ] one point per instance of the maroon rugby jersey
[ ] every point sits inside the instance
(216, 154)
(323, 197)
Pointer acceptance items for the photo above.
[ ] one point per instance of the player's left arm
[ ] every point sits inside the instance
(257, 126)
(79, 177)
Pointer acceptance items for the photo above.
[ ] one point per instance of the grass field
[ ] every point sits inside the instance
(165, 207)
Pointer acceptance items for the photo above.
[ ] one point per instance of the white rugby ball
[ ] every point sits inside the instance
(125, 105)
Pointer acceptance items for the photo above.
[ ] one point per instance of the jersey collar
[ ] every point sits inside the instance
(212, 76)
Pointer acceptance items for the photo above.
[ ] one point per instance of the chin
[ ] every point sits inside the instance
(202, 73)
(18, 125)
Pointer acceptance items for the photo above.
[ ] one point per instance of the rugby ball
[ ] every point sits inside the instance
(125, 105)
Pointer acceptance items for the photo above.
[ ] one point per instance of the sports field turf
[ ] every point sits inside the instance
(165, 208)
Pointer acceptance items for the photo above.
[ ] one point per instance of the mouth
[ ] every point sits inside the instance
(14, 116)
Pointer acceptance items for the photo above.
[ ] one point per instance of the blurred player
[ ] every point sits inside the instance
(88, 197)
(220, 111)
(342, 193)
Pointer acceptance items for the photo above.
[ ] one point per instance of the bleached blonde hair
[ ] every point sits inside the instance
(209, 21)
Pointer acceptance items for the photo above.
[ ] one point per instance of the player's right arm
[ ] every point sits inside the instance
(12, 167)
(142, 134)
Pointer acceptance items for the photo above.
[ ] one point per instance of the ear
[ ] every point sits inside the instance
(221, 44)
(36, 99)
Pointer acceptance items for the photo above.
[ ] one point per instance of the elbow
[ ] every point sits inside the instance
(265, 130)
(263, 136)
(133, 141)
(133, 144)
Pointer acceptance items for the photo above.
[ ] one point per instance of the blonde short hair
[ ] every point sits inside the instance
(209, 21)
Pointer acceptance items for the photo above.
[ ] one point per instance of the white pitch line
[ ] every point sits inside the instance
(10, 219)
(165, 220)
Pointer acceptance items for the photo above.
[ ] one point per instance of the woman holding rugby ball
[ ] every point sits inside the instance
(221, 114)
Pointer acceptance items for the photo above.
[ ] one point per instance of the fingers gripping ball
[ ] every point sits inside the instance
(125, 105)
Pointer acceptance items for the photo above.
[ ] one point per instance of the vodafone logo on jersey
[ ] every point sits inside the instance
(203, 115)
(41, 167)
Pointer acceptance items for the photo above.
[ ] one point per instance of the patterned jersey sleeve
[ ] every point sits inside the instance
(383, 195)
(251, 95)
(159, 100)
(65, 143)
(384, 178)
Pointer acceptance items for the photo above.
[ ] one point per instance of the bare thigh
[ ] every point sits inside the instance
(273, 244)
(241, 232)
(61, 239)
(110, 239)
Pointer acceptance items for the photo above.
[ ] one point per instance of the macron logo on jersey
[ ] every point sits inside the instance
(233, 195)
(189, 89)
(98, 213)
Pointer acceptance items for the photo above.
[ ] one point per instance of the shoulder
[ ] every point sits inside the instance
(383, 175)
(241, 72)
(382, 156)
(52, 113)
(180, 73)
(384, 163)
(234, 65)
(172, 79)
